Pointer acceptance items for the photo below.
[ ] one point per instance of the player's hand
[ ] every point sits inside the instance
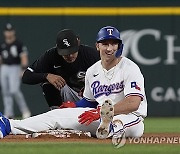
(56, 80)
(89, 116)
(68, 104)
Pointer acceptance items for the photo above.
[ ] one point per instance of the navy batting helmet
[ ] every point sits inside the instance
(110, 32)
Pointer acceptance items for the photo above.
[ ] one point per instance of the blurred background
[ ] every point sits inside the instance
(150, 31)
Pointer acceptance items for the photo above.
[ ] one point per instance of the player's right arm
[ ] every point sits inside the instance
(40, 72)
(37, 72)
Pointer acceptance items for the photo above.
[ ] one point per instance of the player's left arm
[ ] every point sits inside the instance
(133, 91)
(127, 105)
(24, 57)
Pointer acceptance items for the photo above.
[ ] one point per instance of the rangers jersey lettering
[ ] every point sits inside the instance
(99, 90)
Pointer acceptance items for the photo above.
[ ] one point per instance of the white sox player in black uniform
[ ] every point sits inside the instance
(115, 83)
(61, 69)
(14, 60)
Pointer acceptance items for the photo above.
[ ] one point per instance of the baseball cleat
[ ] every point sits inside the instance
(5, 128)
(119, 137)
(106, 114)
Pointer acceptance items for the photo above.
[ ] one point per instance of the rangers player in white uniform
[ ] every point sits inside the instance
(115, 82)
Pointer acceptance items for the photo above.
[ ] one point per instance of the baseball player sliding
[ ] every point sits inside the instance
(115, 82)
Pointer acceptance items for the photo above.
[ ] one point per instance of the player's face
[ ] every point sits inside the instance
(107, 49)
(9, 35)
(71, 57)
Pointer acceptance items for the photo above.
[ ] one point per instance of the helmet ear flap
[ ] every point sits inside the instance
(119, 51)
(119, 45)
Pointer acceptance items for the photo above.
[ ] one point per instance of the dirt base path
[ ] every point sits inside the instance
(151, 138)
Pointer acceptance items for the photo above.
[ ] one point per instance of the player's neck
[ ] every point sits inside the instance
(108, 65)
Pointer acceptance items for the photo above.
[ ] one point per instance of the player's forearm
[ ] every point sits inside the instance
(33, 78)
(24, 61)
(127, 105)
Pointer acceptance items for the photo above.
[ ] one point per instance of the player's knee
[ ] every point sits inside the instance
(136, 130)
(141, 129)
(14, 92)
(65, 89)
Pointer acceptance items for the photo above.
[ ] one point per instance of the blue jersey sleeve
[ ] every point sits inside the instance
(85, 103)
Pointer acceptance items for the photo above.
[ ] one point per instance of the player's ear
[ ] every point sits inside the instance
(97, 46)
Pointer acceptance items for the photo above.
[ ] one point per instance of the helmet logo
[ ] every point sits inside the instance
(66, 42)
(110, 31)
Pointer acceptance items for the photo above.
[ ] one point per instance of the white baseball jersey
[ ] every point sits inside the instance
(121, 81)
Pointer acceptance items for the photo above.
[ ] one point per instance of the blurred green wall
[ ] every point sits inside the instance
(151, 40)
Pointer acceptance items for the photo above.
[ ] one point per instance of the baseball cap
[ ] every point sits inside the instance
(66, 42)
(8, 27)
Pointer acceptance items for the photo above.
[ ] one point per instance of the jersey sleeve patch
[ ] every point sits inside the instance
(135, 85)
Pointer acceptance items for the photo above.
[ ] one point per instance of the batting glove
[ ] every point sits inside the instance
(89, 116)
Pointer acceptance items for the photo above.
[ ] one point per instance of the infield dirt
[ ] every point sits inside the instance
(152, 138)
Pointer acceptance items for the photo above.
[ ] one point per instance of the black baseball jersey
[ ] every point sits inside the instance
(52, 62)
(10, 53)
